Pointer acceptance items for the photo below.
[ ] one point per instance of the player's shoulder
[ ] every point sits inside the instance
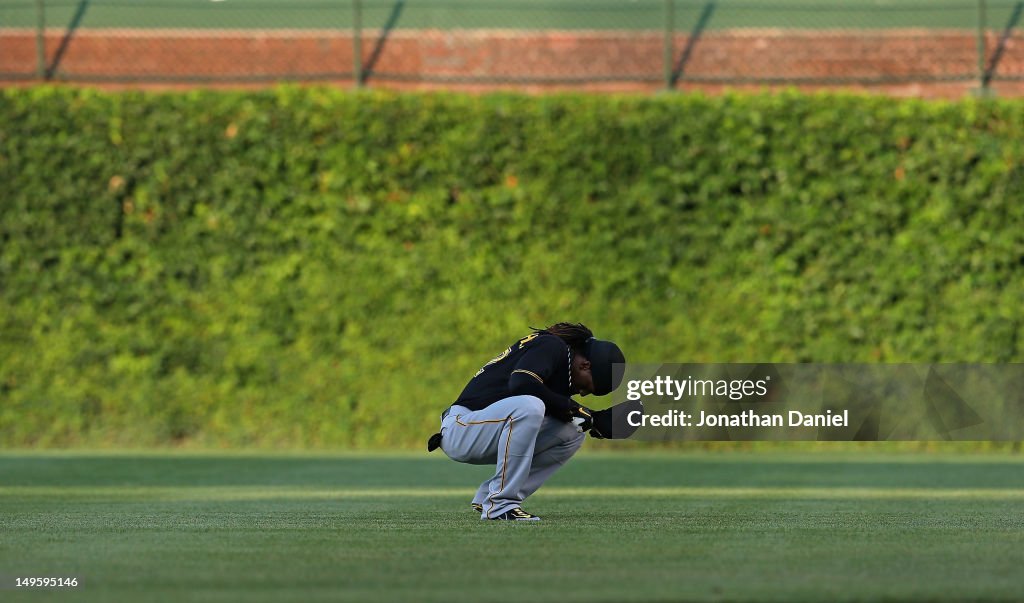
(541, 341)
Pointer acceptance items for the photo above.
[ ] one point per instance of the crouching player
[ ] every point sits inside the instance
(517, 414)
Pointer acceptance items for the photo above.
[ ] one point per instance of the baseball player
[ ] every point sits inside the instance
(517, 413)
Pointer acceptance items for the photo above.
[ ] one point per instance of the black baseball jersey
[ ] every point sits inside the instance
(535, 365)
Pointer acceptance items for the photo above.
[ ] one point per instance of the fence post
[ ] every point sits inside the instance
(40, 39)
(982, 80)
(669, 43)
(357, 41)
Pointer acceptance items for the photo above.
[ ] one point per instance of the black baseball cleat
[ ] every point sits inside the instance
(516, 514)
(477, 507)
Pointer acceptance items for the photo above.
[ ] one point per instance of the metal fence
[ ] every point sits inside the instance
(615, 44)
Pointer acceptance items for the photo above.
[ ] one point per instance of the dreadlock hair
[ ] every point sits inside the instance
(575, 335)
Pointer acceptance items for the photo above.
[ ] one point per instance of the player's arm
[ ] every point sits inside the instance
(536, 365)
(558, 406)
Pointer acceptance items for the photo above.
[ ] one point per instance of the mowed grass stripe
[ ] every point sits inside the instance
(242, 493)
(632, 528)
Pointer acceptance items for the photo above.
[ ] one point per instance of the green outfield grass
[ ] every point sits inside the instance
(511, 14)
(628, 527)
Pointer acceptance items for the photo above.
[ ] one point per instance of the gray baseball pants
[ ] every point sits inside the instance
(525, 446)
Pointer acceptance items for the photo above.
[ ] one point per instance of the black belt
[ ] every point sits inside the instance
(445, 413)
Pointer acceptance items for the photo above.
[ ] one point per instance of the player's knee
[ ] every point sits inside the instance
(530, 407)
